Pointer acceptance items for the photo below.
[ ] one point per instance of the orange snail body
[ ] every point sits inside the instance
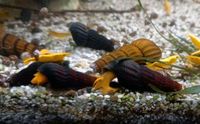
(12, 45)
(137, 49)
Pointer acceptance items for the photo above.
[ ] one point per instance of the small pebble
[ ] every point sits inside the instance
(153, 15)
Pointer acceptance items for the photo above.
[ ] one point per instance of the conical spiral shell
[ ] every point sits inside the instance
(86, 37)
(137, 49)
(138, 77)
(79, 33)
(148, 48)
(63, 77)
(12, 45)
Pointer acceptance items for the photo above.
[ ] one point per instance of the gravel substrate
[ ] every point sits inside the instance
(19, 105)
(31, 104)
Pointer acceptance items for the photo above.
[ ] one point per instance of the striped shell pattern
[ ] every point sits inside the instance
(63, 77)
(59, 76)
(83, 36)
(133, 76)
(137, 49)
(12, 45)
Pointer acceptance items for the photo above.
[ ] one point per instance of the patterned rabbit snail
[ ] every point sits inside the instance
(12, 45)
(83, 36)
(137, 49)
(137, 77)
(59, 76)
(62, 77)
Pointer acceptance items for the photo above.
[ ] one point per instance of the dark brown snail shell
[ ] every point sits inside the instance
(12, 45)
(137, 77)
(79, 33)
(136, 50)
(25, 76)
(63, 77)
(86, 37)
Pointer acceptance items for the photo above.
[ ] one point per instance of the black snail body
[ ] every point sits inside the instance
(133, 76)
(24, 76)
(83, 36)
(64, 77)
(59, 76)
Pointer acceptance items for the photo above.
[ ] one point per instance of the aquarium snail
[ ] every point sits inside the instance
(24, 76)
(148, 48)
(12, 45)
(137, 50)
(138, 77)
(135, 77)
(59, 76)
(83, 36)
(62, 77)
